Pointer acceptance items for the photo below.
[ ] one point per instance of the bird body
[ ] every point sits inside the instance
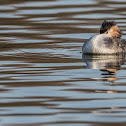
(103, 44)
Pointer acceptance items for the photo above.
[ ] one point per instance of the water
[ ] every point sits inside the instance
(44, 79)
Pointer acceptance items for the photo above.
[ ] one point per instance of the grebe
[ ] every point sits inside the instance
(107, 42)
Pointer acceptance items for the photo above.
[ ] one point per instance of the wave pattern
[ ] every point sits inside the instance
(43, 80)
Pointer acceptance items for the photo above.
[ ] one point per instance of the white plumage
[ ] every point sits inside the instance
(102, 44)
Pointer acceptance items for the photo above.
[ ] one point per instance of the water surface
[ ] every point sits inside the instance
(44, 79)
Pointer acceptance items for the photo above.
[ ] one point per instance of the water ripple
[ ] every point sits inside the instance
(45, 79)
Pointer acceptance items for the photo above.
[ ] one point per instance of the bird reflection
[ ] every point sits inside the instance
(107, 64)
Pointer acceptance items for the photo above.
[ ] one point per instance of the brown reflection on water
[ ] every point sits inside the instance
(43, 80)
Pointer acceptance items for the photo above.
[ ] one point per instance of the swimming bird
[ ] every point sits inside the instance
(107, 42)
